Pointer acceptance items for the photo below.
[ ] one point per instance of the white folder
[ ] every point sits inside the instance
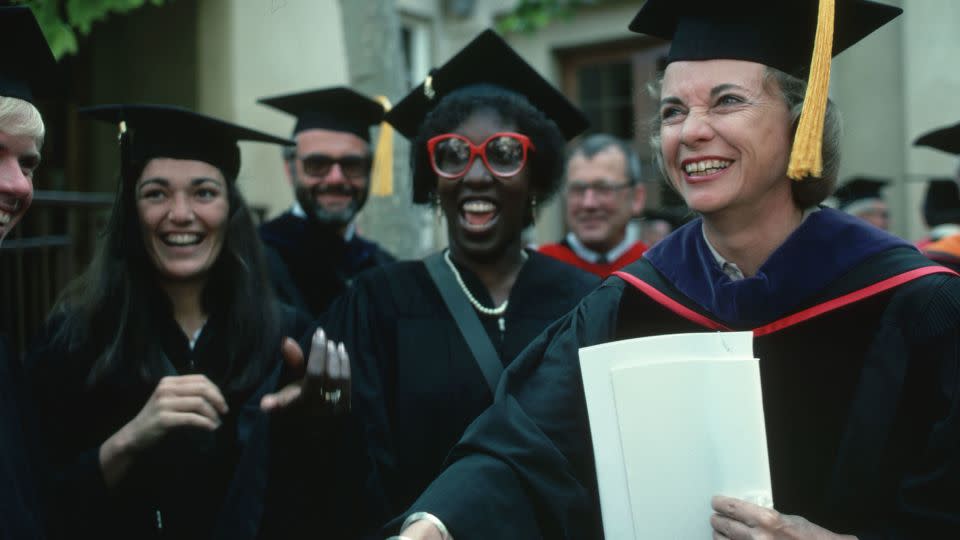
(675, 419)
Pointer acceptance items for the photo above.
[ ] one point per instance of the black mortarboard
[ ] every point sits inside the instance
(946, 139)
(941, 204)
(27, 70)
(487, 60)
(336, 109)
(775, 33)
(150, 131)
(859, 189)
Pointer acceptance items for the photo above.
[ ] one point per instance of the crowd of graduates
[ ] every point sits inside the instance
(209, 377)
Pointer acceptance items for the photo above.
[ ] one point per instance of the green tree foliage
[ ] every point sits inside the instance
(532, 15)
(61, 20)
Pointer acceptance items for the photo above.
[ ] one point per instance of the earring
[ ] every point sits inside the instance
(438, 211)
(533, 210)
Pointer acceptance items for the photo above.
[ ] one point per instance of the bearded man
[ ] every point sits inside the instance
(313, 249)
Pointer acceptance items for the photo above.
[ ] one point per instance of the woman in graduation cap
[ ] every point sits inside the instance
(150, 377)
(428, 339)
(857, 334)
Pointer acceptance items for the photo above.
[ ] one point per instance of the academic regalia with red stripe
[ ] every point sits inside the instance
(858, 337)
(562, 251)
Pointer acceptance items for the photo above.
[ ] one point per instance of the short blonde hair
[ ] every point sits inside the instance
(21, 118)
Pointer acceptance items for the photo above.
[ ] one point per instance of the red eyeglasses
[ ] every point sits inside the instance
(504, 154)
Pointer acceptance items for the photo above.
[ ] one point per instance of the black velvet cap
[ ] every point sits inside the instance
(488, 59)
(150, 131)
(336, 109)
(775, 33)
(27, 68)
(946, 139)
(941, 204)
(859, 188)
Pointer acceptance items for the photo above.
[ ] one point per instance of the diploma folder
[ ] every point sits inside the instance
(674, 419)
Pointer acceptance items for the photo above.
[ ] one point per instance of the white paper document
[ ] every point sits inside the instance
(675, 420)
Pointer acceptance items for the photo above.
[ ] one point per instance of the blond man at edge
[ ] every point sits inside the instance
(21, 136)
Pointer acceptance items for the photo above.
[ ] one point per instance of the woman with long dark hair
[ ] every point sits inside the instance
(150, 375)
(429, 338)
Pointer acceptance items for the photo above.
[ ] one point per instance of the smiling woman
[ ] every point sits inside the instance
(428, 339)
(150, 375)
(183, 214)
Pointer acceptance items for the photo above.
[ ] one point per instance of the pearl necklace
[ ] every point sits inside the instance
(492, 312)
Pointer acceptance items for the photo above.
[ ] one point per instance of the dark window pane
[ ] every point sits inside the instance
(605, 92)
(591, 89)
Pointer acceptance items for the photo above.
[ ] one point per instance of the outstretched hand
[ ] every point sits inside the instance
(736, 519)
(325, 386)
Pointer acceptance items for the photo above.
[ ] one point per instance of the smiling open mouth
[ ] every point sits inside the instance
(182, 239)
(478, 215)
(706, 167)
(5, 218)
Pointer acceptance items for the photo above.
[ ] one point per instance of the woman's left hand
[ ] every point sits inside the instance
(736, 519)
(324, 389)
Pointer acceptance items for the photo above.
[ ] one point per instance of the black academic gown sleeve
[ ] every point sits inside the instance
(922, 499)
(362, 438)
(21, 513)
(524, 468)
(79, 496)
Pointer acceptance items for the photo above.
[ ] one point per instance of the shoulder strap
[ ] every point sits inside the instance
(467, 321)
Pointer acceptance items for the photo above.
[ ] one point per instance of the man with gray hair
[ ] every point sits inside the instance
(23, 74)
(603, 191)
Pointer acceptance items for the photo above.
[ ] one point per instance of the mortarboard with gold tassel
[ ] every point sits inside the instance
(798, 37)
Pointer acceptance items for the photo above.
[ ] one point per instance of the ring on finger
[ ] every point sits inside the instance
(332, 397)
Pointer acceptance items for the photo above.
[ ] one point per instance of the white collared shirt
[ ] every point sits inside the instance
(731, 269)
(591, 256)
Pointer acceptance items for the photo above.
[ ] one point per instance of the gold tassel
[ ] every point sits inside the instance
(382, 174)
(806, 159)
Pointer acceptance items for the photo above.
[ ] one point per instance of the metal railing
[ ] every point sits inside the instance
(55, 240)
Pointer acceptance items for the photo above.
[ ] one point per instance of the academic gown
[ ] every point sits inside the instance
(20, 505)
(416, 385)
(191, 484)
(861, 394)
(310, 264)
(563, 252)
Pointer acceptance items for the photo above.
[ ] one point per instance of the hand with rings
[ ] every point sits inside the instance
(325, 387)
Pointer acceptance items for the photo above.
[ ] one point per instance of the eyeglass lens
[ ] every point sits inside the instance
(504, 155)
(319, 165)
